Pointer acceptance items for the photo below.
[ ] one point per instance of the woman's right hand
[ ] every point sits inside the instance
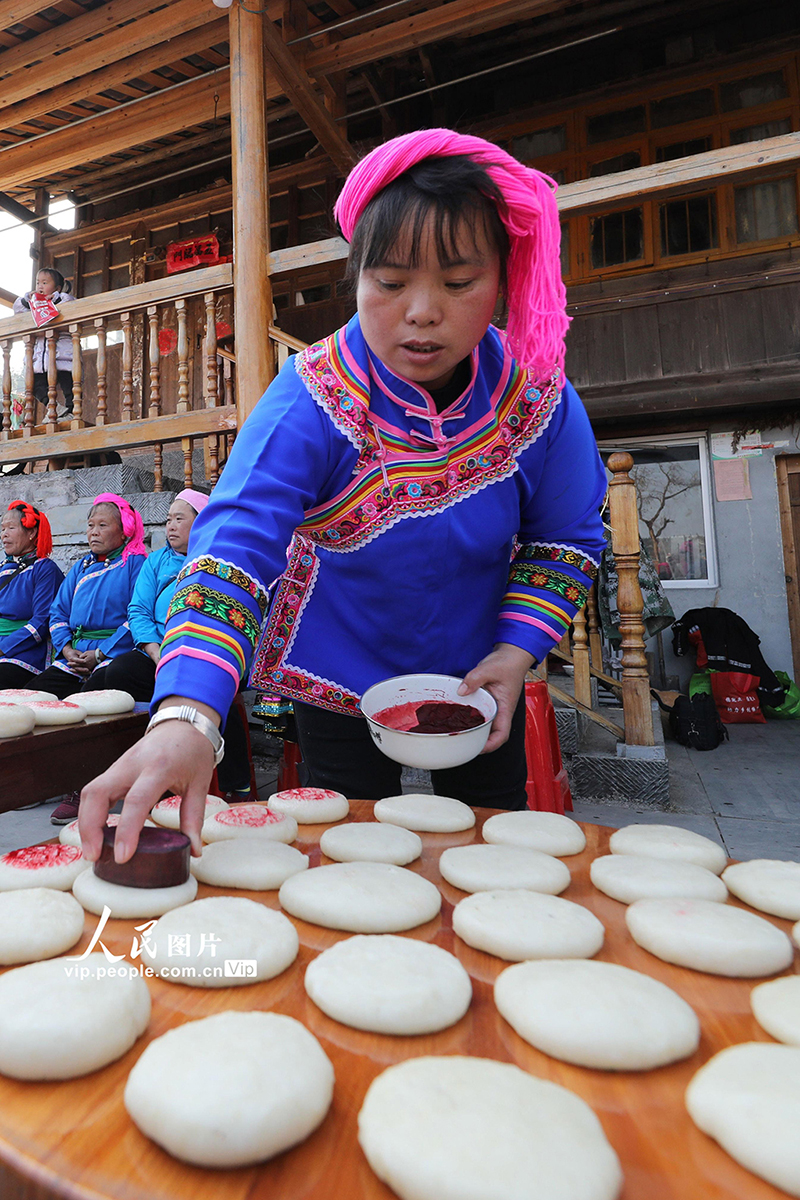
(174, 757)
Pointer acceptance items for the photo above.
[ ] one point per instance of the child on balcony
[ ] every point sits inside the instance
(50, 283)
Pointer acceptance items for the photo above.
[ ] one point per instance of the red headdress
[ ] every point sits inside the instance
(31, 518)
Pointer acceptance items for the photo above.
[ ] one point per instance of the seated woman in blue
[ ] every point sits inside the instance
(29, 580)
(89, 617)
(135, 671)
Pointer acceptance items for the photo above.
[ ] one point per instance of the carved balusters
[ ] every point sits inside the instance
(595, 637)
(158, 469)
(187, 446)
(77, 377)
(625, 545)
(6, 389)
(580, 659)
(183, 358)
(127, 366)
(27, 420)
(52, 375)
(211, 381)
(102, 379)
(154, 359)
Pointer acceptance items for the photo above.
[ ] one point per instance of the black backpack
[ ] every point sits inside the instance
(695, 722)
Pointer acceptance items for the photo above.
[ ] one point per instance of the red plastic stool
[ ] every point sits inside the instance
(287, 767)
(548, 784)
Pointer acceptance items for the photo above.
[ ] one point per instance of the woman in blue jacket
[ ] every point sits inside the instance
(29, 580)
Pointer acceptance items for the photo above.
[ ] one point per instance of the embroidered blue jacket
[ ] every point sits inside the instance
(147, 611)
(94, 597)
(27, 599)
(403, 524)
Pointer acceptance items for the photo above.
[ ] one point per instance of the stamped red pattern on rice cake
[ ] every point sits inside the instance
(252, 817)
(309, 793)
(33, 857)
(51, 704)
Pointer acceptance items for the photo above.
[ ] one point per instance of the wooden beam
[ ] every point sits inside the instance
(678, 176)
(563, 697)
(12, 12)
(24, 214)
(171, 428)
(80, 86)
(7, 298)
(252, 294)
(294, 82)
(179, 107)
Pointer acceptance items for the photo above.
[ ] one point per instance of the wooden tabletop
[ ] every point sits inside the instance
(75, 1139)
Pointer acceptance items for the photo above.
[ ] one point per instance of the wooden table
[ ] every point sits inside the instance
(75, 1139)
(55, 759)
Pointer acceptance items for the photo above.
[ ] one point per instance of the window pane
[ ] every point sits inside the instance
(754, 133)
(673, 110)
(606, 126)
(669, 496)
(688, 226)
(766, 210)
(565, 248)
(540, 143)
(620, 162)
(683, 149)
(617, 238)
(758, 89)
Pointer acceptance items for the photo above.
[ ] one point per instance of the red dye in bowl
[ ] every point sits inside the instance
(430, 716)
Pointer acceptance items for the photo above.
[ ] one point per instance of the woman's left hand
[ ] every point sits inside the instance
(503, 674)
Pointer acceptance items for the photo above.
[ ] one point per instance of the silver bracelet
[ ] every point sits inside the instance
(185, 712)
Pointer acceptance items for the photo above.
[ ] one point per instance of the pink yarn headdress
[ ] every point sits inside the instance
(132, 525)
(198, 500)
(536, 296)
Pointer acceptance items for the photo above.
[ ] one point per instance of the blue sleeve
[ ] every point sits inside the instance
(60, 628)
(277, 470)
(141, 610)
(561, 535)
(47, 577)
(121, 641)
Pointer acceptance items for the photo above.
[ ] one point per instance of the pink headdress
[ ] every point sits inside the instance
(197, 500)
(536, 297)
(132, 525)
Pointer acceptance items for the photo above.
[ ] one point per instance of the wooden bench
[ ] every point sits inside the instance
(56, 759)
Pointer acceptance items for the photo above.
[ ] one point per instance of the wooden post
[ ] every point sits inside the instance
(41, 206)
(77, 378)
(27, 418)
(102, 382)
(52, 378)
(154, 357)
(252, 288)
(183, 357)
(595, 637)
(636, 702)
(6, 390)
(580, 659)
(127, 367)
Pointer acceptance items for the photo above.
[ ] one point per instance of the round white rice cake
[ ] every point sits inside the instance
(629, 877)
(717, 938)
(747, 1098)
(371, 842)
(232, 1089)
(126, 902)
(768, 884)
(428, 814)
(200, 936)
(310, 805)
(459, 1128)
(597, 1014)
(56, 712)
(167, 812)
(551, 833)
(106, 703)
(37, 923)
(15, 719)
(389, 984)
(776, 1007)
(493, 868)
(518, 925)
(69, 835)
(253, 864)
(671, 842)
(63, 1018)
(249, 820)
(361, 897)
(23, 695)
(50, 866)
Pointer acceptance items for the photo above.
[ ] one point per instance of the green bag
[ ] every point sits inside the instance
(790, 709)
(700, 684)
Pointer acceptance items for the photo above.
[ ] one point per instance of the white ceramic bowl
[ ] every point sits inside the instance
(431, 751)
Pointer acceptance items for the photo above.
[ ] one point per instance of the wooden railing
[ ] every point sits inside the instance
(147, 370)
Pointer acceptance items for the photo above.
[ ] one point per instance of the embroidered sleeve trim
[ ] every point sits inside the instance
(230, 573)
(291, 598)
(215, 604)
(204, 634)
(34, 632)
(556, 553)
(310, 689)
(18, 662)
(203, 656)
(537, 576)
